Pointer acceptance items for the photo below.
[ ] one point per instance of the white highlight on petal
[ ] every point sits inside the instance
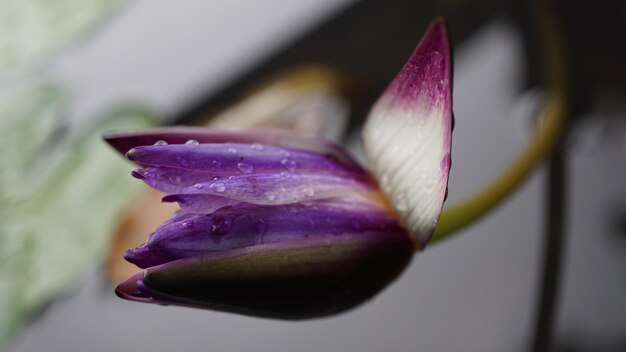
(405, 151)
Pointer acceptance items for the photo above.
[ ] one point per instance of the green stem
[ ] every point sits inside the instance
(550, 128)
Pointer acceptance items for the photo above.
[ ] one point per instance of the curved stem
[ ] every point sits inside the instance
(553, 246)
(470, 210)
(550, 128)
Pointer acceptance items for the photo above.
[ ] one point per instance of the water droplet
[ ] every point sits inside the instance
(231, 177)
(216, 163)
(309, 192)
(245, 168)
(290, 165)
(160, 142)
(220, 227)
(149, 174)
(232, 150)
(187, 224)
(198, 186)
(257, 146)
(401, 203)
(182, 161)
(174, 179)
(192, 142)
(271, 196)
(217, 187)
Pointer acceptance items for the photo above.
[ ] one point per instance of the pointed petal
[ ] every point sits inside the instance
(294, 280)
(133, 289)
(130, 290)
(226, 159)
(125, 141)
(248, 225)
(408, 134)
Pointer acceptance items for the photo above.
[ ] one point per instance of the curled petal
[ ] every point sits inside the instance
(408, 134)
(125, 141)
(235, 158)
(297, 279)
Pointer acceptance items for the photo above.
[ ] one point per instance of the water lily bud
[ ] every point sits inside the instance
(277, 224)
(264, 229)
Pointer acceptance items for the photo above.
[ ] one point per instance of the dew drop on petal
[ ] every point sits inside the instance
(216, 163)
(160, 142)
(220, 227)
(309, 192)
(401, 203)
(271, 196)
(232, 150)
(192, 142)
(290, 165)
(217, 187)
(198, 186)
(187, 224)
(245, 168)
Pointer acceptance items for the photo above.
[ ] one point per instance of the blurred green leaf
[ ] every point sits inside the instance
(60, 195)
(33, 28)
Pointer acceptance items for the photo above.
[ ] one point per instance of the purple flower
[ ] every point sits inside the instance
(290, 226)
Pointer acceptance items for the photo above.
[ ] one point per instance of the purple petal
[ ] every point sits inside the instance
(408, 134)
(188, 164)
(125, 141)
(268, 189)
(249, 225)
(200, 203)
(297, 279)
(131, 289)
(134, 289)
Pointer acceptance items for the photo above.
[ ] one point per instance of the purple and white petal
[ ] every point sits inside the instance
(407, 135)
